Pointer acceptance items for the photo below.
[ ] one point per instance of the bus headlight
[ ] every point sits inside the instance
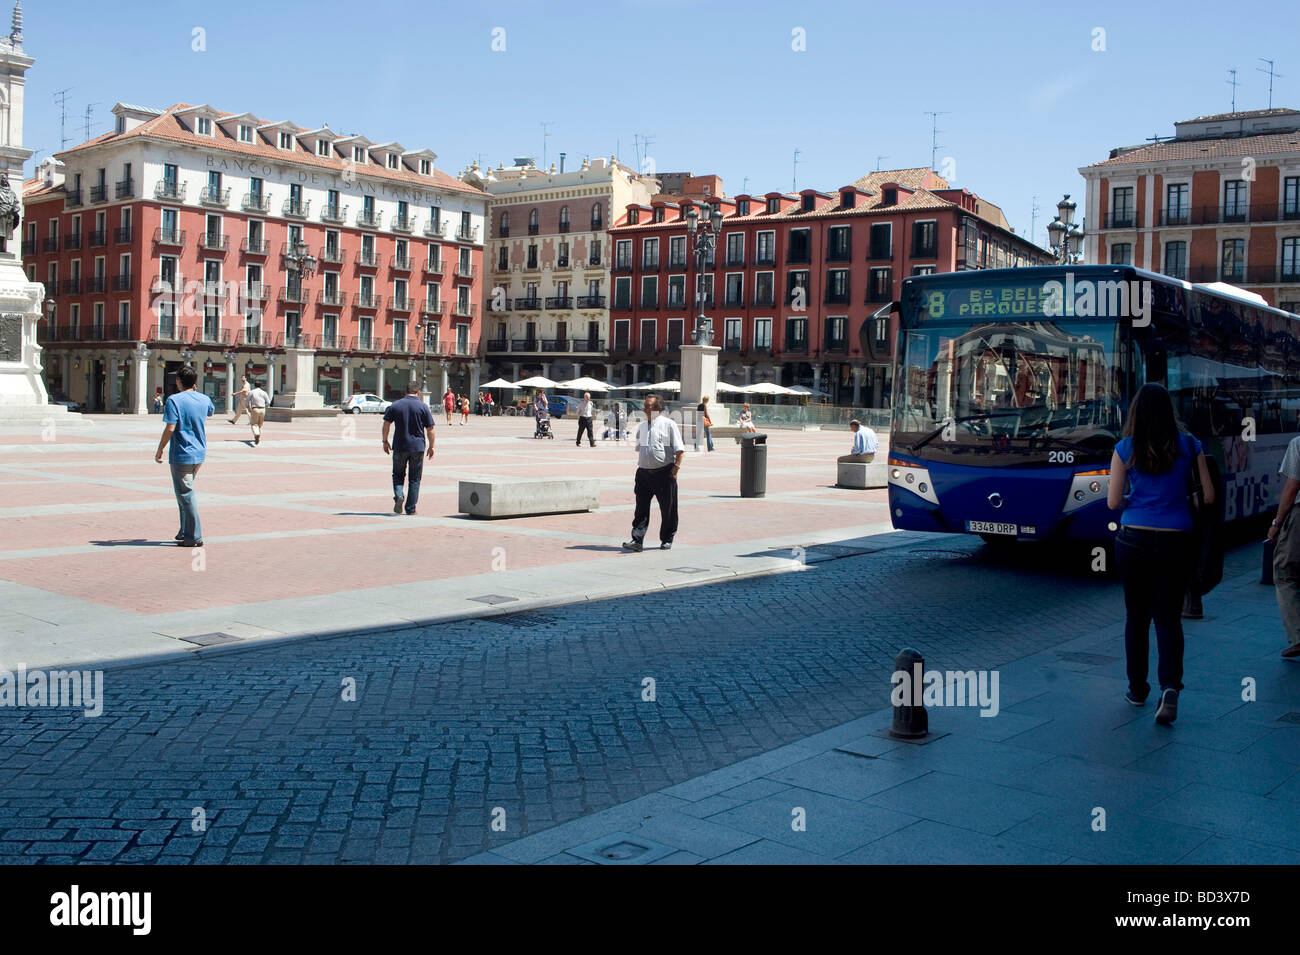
(1085, 489)
(914, 481)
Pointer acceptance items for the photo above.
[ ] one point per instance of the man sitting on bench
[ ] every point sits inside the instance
(864, 445)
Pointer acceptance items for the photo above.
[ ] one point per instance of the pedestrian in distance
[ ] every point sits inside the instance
(258, 401)
(157, 402)
(705, 422)
(746, 420)
(618, 421)
(241, 400)
(412, 441)
(464, 409)
(1155, 548)
(448, 403)
(660, 450)
(1286, 552)
(865, 445)
(586, 412)
(184, 415)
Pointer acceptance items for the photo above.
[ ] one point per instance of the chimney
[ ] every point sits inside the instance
(562, 155)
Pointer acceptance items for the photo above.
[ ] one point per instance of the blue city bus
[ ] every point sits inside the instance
(1011, 387)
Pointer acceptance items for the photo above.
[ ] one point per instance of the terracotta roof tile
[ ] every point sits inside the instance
(168, 128)
(1207, 149)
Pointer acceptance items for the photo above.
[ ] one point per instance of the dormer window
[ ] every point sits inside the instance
(426, 167)
(808, 203)
(203, 126)
(286, 141)
(245, 133)
(358, 154)
(773, 206)
(890, 198)
(392, 160)
(659, 214)
(322, 147)
(633, 216)
(121, 125)
(742, 207)
(846, 200)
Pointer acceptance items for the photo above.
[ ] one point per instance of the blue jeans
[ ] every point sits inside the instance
(401, 461)
(708, 437)
(183, 484)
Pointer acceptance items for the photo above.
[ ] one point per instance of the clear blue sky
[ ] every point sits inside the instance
(715, 85)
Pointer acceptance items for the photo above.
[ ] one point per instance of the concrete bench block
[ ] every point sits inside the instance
(505, 498)
(870, 475)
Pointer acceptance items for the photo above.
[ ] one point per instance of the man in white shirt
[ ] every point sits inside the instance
(659, 449)
(241, 400)
(258, 399)
(865, 445)
(586, 411)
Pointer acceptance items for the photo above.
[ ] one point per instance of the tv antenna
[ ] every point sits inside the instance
(546, 134)
(794, 176)
(934, 134)
(61, 97)
(1033, 218)
(641, 148)
(1233, 83)
(90, 110)
(878, 158)
(1271, 76)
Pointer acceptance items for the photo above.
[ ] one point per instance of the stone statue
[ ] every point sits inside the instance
(9, 208)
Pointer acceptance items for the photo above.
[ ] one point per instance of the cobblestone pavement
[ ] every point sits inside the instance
(540, 714)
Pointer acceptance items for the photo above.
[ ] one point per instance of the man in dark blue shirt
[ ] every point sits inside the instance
(183, 429)
(414, 432)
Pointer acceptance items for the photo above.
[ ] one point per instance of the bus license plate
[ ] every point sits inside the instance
(988, 527)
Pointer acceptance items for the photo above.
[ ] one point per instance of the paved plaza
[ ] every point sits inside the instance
(680, 707)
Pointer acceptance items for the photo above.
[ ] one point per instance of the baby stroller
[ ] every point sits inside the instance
(544, 427)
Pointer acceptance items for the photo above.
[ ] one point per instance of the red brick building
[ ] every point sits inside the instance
(1220, 202)
(166, 240)
(796, 280)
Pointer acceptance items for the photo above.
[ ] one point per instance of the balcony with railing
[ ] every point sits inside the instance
(72, 198)
(559, 301)
(562, 262)
(525, 344)
(731, 345)
(839, 253)
(837, 346)
(123, 235)
(795, 345)
(433, 266)
(403, 223)
(254, 338)
(97, 238)
(465, 310)
(97, 284)
(29, 247)
(401, 303)
(214, 336)
(254, 246)
(734, 261)
(497, 345)
(295, 208)
(591, 301)
(555, 345)
(368, 300)
(534, 228)
(1123, 219)
(734, 300)
(649, 302)
(623, 265)
(331, 254)
(676, 299)
(501, 266)
(588, 345)
(837, 296)
(163, 236)
(123, 282)
(467, 234)
(433, 309)
(368, 258)
(593, 261)
(124, 188)
(400, 263)
(256, 202)
(564, 226)
(51, 288)
(99, 193)
(214, 241)
(219, 198)
(650, 263)
(332, 298)
(435, 229)
(798, 256)
(72, 286)
(499, 305)
(171, 331)
(527, 305)
(50, 243)
(72, 242)
(294, 295)
(369, 219)
(170, 190)
(254, 291)
(334, 213)
(531, 264)
(465, 270)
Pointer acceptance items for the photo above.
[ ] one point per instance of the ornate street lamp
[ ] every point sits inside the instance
(187, 355)
(1065, 237)
(705, 240)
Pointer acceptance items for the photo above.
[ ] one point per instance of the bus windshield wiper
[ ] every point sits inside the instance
(921, 442)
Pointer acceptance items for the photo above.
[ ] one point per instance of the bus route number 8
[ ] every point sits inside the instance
(935, 306)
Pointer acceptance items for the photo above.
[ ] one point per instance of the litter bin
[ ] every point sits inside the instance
(753, 465)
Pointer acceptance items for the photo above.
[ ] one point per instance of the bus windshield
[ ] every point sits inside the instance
(1009, 393)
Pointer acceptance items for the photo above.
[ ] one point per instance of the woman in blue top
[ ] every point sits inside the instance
(1154, 549)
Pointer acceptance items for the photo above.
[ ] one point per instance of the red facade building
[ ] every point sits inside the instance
(799, 285)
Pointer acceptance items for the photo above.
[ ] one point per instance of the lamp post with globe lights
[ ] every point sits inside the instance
(704, 237)
(1065, 237)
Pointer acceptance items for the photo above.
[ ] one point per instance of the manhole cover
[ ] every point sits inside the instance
(1289, 718)
(687, 570)
(523, 620)
(1092, 659)
(210, 639)
(621, 848)
(494, 599)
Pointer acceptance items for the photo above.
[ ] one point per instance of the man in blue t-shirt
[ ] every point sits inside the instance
(414, 431)
(183, 417)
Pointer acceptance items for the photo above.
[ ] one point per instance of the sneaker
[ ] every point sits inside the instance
(181, 537)
(633, 545)
(1292, 652)
(257, 440)
(666, 545)
(411, 512)
(1168, 711)
(1134, 698)
(397, 504)
(194, 543)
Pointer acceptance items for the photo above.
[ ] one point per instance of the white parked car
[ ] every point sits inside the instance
(363, 402)
(70, 405)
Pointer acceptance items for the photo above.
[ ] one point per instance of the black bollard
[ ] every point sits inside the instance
(910, 719)
(1266, 572)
